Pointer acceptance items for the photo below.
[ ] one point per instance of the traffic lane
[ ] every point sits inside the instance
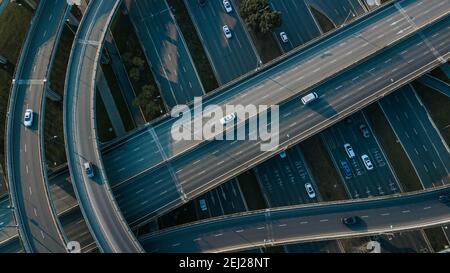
(149, 193)
(77, 230)
(363, 183)
(170, 58)
(44, 231)
(197, 178)
(315, 247)
(297, 22)
(299, 224)
(283, 179)
(231, 197)
(263, 87)
(338, 12)
(62, 192)
(232, 57)
(327, 107)
(223, 200)
(102, 217)
(132, 158)
(418, 136)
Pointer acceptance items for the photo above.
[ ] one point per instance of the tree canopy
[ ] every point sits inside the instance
(259, 16)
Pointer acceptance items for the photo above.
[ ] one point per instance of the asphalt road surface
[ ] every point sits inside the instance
(419, 136)
(166, 51)
(362, 182)
(230, 58)
(150, 147)
(186, 177)
(37, 221)
(283, 180)
(304, 223)
(96, 203)
(297, 22)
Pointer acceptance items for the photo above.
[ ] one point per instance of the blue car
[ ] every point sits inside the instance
(347, 171)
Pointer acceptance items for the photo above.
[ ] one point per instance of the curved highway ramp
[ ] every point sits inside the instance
(39, 228)
(95, 198)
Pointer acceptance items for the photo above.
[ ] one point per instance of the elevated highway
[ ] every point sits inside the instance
(95, 198)
(39, 228)
(295, 74)
(183, 178)
(296, 224)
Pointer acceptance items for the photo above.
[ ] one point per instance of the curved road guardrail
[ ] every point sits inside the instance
(39, 227)
(97, 203)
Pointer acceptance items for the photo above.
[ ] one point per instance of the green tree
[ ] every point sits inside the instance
(138, 63)
(135, 74)
(259, 17)
(146, 100)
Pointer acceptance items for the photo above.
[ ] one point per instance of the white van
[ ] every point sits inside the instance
(309, 98)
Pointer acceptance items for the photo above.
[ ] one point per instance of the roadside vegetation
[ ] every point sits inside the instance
(138, 69)
(55, 152)
(437, 238)
(194, 44)
(438, 106)
(261, 21)
(251, 191)
(324, 23)
(14, 23)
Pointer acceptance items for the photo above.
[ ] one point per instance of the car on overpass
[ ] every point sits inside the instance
(28, 118)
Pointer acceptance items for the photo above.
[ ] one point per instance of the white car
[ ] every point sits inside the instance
(309, 98)
(227, 6)
(227, 31)
(348, 148)
(284, 37)
(367, 162)
(89, 169)
(28, 118)
(228, 118)
(310, 190)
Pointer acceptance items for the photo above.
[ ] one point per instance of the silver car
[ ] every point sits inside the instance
(367, 162)
(28, 118)
(310, 190)
(227, 31)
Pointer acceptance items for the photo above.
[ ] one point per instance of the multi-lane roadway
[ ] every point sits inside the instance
(302, 70)
(303, 223)
(166, 51)
(152, 192)
(39, 228)
(230, 58)
(96, 202)
(418, 135)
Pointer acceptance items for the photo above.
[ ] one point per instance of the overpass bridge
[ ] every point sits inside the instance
(296, 73)
(95, 198)
(271, 227)
(325, 59)
(161, 189)
(38, 226)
